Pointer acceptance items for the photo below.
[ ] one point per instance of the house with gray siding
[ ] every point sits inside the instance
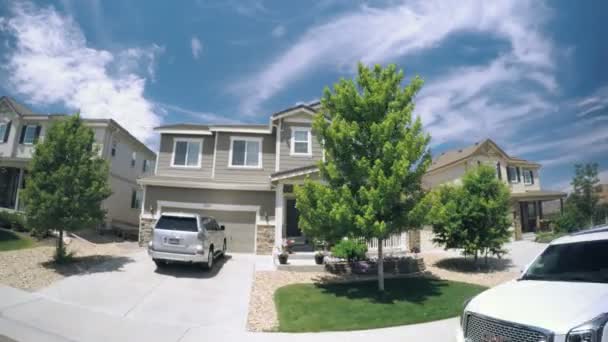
(129, 160)
(243, 175)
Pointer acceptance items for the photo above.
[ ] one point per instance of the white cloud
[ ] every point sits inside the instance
(594, 102)
(196, 46)
(206, 117)
(377, 35)
(279, 31)
(50, 63)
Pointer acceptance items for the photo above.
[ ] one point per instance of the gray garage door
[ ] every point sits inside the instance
(240, 227)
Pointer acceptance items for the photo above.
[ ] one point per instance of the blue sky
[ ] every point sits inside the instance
(530, 75)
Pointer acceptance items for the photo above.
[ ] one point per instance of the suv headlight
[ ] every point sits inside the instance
(199, 249)
(151, 245)
(589, 332)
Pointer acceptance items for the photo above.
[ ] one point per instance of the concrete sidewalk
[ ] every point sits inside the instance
(28, 316)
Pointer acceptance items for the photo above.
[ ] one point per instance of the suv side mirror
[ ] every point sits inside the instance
(222, 227)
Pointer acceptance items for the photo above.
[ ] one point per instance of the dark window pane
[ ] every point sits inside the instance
(194, 149)
(300, 147)
(238, 152)
(184, 224)
(181, 147)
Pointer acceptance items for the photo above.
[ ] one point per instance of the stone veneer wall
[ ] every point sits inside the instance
(265, 239)
(517, 233)
(146, 225)
(413, 239)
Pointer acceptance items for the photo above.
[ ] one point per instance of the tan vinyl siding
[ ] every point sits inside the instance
(225, 173)
(288, 161)
(165, 157)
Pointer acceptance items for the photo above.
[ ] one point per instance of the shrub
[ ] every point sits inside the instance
(350, 250)
(12, 220)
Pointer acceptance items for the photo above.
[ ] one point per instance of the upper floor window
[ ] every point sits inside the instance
(133, 159)
(187, 152)
(301, 141)
(513, 174)
(528, 177)
(29, 134)
(113, 152)
(246, 152)
(498, 170)
(145, 166)
(5, 130)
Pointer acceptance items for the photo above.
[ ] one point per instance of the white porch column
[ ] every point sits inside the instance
(19, 182)
(278, 215)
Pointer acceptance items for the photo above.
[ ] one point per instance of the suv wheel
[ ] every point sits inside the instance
(159, 263)
(209, 264)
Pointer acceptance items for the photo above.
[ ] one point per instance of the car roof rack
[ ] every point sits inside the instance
(600, 229)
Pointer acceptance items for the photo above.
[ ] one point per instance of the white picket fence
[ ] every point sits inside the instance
(395, 243)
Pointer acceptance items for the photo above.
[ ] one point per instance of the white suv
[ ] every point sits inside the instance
(562, 296)
(187, 238)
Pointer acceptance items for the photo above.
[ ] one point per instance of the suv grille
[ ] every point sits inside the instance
(483, 329)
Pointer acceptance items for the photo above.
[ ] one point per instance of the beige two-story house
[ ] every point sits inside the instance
(521, 176)
(243, 175)
(129, 159)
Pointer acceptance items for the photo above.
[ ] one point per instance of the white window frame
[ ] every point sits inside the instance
(292, 151)
(35, 127)
(200, 153)
(529, 173)
(513, 171)
(259, 140)
(133, 159)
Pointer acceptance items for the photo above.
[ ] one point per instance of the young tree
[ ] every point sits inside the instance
(376, 155)
(67, 181)
(473, 216)
(584, 197)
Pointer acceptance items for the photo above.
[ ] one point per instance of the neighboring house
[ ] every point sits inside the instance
(522, 177)
(602, 191)
(129, 159)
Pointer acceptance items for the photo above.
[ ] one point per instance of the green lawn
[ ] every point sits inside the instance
(313, 307)
(10, 240)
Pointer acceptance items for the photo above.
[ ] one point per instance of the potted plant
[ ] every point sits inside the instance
(319, 256)
(284, 254)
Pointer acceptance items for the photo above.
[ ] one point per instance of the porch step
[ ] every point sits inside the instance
(302, 256)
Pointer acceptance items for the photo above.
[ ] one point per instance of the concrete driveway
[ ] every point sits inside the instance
(182, 295)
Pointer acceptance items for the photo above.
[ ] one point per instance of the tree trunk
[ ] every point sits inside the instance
(60, 253)
(380, 266)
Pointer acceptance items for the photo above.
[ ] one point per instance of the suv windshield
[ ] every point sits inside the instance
(184, 224)
(581, 261)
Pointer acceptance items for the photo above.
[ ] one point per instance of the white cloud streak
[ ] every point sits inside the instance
(378, 35)
(206, 117)
(50, 63)
(594, 102)
(196, 46)
(279, 31)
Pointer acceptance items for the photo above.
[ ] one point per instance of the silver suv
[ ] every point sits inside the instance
(187, 238)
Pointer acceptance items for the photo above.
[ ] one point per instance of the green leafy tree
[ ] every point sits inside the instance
(375, 157)
(584, 197)
(67, 181)
(473, 216)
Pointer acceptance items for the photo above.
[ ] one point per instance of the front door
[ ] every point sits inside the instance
(529, 212)
(292, 219)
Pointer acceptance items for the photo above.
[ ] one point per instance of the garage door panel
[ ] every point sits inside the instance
(240, 227)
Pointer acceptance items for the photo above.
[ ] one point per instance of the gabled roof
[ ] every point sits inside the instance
(306, 108)
(16, 106)
(455, 156)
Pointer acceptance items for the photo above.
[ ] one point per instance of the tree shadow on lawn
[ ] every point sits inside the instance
(468, 265)
(411, 289)
(88, 264)
(194, 271)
